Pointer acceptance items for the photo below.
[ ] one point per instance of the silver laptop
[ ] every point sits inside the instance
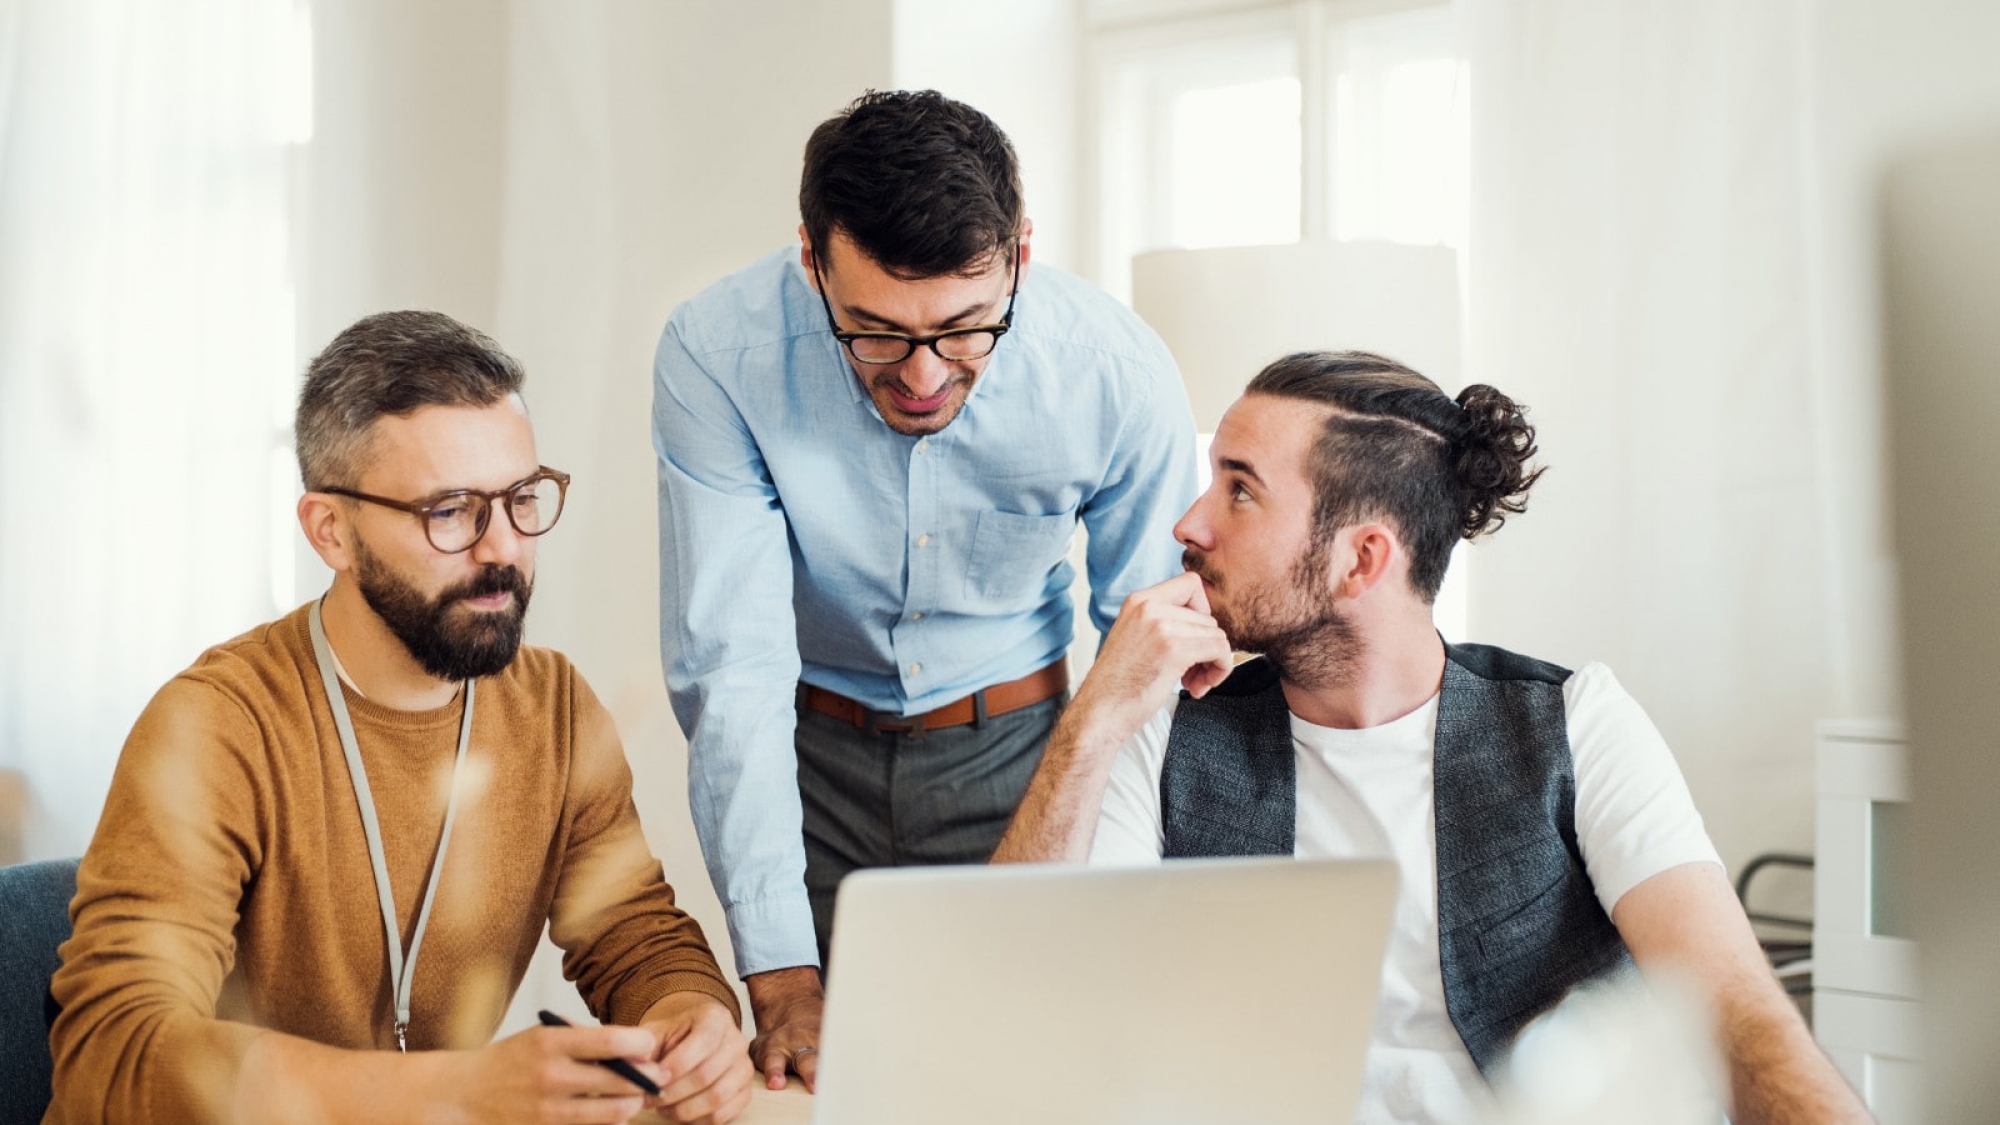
(1237, 991)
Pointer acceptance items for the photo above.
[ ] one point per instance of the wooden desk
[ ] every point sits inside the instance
(789, 1106)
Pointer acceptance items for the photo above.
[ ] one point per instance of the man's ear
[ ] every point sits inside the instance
(806, 257)
(328, 530)
(1370, 550)
(1027, 247)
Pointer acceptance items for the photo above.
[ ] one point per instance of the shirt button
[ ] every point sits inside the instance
(916, 617)
(915, 669)
(924, 445)
(924, 540)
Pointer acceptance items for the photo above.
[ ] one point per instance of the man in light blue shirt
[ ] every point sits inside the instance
(874, 451)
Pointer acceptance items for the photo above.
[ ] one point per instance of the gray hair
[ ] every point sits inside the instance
(390, 364)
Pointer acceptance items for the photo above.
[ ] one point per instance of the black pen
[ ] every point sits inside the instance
(619, 1067)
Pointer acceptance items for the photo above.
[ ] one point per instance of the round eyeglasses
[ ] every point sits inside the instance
(456, 521)
(955, 345)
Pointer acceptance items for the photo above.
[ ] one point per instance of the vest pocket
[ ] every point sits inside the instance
(1013, 554)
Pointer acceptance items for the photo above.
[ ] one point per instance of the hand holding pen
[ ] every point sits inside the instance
(549, 1074)
(619, 1067)
(700, 1073)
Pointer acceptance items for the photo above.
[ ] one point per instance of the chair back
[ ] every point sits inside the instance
(34, 920)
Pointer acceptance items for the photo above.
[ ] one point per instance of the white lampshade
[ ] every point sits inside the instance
(1226, 313)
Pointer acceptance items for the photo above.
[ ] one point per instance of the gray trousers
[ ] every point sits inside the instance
(895, 800)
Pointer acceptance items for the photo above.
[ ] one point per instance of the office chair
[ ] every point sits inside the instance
(34, 920)
(1790, 952)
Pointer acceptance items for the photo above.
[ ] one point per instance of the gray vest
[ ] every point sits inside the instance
(1519, 924)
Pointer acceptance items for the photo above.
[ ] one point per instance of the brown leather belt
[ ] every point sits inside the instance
(1033, 688)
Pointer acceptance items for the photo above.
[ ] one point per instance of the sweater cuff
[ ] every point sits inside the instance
(631, 1005)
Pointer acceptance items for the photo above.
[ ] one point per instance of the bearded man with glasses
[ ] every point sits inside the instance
(332, 845)
(874, 451)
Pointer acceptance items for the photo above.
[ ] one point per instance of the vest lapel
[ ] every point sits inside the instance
(1229, 783)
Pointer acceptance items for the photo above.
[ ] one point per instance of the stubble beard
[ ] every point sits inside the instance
(1294, 625)
(880, 384)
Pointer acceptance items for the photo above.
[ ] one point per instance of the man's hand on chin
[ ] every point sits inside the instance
(1164, 639)
(787, 1004)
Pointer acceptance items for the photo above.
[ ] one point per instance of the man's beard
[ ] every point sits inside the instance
(1295, 625)
(448, 648)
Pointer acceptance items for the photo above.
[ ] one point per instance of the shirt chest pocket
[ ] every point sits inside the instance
(1013, 555)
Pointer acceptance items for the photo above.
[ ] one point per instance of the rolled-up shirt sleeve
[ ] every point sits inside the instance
(728, 641)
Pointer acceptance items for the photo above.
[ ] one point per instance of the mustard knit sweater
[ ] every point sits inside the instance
(228, 887)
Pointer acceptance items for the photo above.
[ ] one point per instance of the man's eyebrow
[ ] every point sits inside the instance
(1243, 467)
(858, 313)
(440, 493)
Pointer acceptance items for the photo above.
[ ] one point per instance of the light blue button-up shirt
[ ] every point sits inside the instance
(801, 539)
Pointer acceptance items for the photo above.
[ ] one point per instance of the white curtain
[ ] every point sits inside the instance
(1639, 273)
(147, 364)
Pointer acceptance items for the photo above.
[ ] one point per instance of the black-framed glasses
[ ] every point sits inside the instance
(456, 521)
(956, 345)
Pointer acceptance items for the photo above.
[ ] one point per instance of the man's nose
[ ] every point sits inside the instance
(925, 373)
(501, 545)
(1191, 530)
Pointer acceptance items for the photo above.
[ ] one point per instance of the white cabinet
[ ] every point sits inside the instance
(1865, 994)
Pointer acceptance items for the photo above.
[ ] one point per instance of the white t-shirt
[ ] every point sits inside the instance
(1367, 793)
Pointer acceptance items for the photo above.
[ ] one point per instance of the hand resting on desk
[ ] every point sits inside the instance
(704, 1067)
(688, 1044)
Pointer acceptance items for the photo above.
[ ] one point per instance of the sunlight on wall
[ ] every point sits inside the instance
(146, 364)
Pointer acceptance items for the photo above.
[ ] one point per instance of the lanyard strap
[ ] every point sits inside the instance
(402, 967)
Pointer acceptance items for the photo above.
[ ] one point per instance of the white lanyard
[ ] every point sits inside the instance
(402, 967)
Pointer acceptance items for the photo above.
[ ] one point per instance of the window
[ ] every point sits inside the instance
(147, 366)
(1398, 128)
(1272, 124)
(1276, 123)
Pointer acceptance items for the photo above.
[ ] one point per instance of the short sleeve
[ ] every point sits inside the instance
(1129, 828)
(1634, 815)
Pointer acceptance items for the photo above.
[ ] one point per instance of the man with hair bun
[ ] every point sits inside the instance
(875, 447)
(1543, 833)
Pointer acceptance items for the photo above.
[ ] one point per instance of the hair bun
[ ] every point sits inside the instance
(1490, 459)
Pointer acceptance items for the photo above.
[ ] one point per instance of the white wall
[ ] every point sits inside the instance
(1020, 64)
(145, 353)
(1638, 278)
(1672, 262)
(402, 176)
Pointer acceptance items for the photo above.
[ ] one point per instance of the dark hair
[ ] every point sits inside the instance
(387, 365)
(1396, 447)
(926, 186)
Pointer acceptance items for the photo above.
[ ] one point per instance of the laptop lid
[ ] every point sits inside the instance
(1238, 991)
